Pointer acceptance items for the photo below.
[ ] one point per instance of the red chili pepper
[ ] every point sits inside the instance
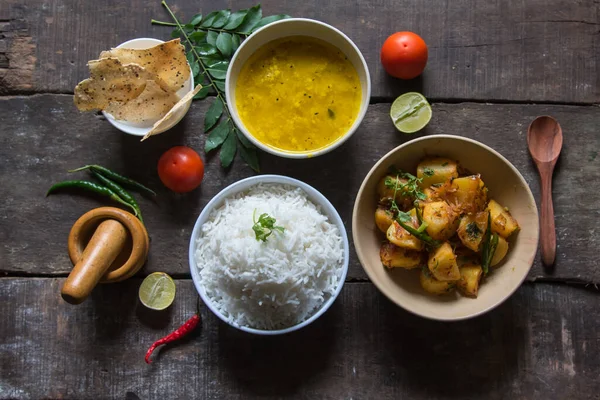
(178, 333)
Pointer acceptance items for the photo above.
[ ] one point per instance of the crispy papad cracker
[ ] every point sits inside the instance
(161, 124)
(151, 104)
(110, 82)
(167, 60)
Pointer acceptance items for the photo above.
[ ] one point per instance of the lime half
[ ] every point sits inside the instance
(410, 112)
(157, 291)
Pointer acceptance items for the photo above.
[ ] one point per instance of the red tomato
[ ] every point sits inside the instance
(181, 169)
(404, 55)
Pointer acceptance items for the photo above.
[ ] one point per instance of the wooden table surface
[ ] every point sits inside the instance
(493, 67)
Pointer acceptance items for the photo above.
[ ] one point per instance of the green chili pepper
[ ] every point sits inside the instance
(420, 233)
(122, 193)
(490, 243)
(419, 212)
(91, 187)
(116, 177)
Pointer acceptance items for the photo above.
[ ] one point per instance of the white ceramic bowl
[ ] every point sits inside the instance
(141, 129)
(297, 27)
(506, 185)
(240, 186)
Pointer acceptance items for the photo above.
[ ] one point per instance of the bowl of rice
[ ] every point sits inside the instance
(280, 284)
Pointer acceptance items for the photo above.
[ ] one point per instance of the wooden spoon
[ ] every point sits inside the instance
(545, 139)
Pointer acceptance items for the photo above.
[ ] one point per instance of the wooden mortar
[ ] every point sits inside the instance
(106, 245)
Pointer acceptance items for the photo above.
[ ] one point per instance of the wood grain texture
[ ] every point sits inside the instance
(505, 50)
(48, 136)
(540, 344)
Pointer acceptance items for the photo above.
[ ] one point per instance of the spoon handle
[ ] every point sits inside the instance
(548, 230)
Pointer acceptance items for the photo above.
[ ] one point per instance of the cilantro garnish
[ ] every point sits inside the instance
(264, 226)
(428, 171)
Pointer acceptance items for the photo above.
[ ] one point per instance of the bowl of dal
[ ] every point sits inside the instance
(298, 88)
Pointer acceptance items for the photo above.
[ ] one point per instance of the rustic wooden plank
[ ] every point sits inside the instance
(44, 136)
(542, 343)
(504, 50)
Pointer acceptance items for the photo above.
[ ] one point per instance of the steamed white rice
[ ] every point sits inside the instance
(277, 283)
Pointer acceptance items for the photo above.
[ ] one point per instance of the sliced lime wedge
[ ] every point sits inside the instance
(157, 291)
(410, 112)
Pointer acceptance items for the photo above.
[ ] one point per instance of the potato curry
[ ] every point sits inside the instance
(441, 222)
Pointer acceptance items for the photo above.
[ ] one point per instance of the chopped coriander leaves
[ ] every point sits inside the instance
(264, 226)
(473, 230)
(407, 184)
(428, 172)
(404, 216)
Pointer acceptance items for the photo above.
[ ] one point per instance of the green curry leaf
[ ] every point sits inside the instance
(208, 20)
(213, 114)
(217, 136)
(250, 157)
(196, 19)
(221, 19)
(224, 44)
(269, 19)
(235, 20)
(205, 49)
(251, 19)
(202, 93)
(244, 140)
(211, 37)
(235, 42)
(219, 69)
(198, 37)
(228, 149)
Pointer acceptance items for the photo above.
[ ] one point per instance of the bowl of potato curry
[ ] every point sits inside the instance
(445, 227)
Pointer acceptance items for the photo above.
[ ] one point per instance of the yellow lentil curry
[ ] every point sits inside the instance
(298, 94)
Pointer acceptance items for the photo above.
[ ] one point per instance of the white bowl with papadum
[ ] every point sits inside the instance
(143, 86)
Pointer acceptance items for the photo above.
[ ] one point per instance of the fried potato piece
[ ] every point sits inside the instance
(166, 60)
(436, 170)
(149, 106)
(394, 257)
(383, 218)
(432, 285)
(471, 229)
(470, 276)
(165, 122)
(442, 221)
(501, 251)
(503, 223)
(110, 82)
(442, 263)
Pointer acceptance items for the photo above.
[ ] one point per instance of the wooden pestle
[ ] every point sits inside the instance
(104, 246)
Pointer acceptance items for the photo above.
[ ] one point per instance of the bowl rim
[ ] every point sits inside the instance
(125, 127)
(388, 293)
(326, 207)
(309, 154)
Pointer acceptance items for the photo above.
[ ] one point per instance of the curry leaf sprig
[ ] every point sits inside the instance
(210, 41)
(264, 226)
